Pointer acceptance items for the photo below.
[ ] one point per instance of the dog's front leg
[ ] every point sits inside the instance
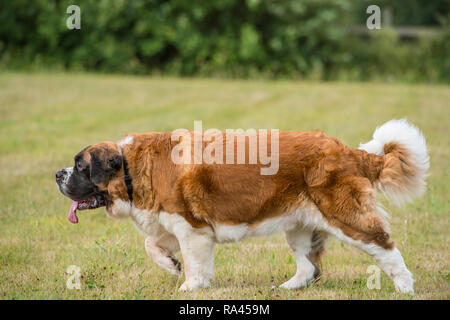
(162, 249)
(197, 249)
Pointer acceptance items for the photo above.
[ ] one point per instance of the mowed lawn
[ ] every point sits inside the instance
(46, 119)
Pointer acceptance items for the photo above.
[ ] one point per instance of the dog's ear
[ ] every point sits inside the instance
(104, 163)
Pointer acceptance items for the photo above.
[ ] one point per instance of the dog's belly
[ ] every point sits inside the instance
(300, 216)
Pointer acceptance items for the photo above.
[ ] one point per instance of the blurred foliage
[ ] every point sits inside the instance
(229, 38)
(385, 57)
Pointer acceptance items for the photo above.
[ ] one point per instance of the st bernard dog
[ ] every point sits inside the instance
(322, 188)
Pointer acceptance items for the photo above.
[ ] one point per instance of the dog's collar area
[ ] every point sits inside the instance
(127, 178)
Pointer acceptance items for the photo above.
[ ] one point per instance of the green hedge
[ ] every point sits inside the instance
(230, 38)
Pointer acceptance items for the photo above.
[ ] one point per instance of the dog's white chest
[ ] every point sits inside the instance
(145, 221)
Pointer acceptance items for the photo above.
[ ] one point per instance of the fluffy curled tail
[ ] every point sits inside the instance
(406, 160)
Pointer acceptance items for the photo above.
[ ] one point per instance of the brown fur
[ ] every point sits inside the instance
(400, 173)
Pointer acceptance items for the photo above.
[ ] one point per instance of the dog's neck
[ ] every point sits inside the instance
(139, 160)
(128, 180)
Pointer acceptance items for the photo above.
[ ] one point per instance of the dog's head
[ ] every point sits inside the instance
(86, 183)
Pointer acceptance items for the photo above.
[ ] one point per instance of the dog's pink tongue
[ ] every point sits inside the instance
(73, 212)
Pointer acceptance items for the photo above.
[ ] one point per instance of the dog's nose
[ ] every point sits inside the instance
(60, 174)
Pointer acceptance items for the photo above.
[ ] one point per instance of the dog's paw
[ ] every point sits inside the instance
(195, 284)
(297, 282)
(404, 283)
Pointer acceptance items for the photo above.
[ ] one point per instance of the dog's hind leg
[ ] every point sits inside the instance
(371, 235)
(317, 250)
(350, 213)
(300, 241)
(385, 254)
(162, 249)
(388, 258)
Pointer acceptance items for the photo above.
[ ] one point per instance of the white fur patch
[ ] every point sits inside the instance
(66, 177)
(127, 140)
(120, 209)
(145, 221)
(230, 233)
(69, 172)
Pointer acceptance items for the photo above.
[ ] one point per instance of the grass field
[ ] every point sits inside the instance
(46, 119)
